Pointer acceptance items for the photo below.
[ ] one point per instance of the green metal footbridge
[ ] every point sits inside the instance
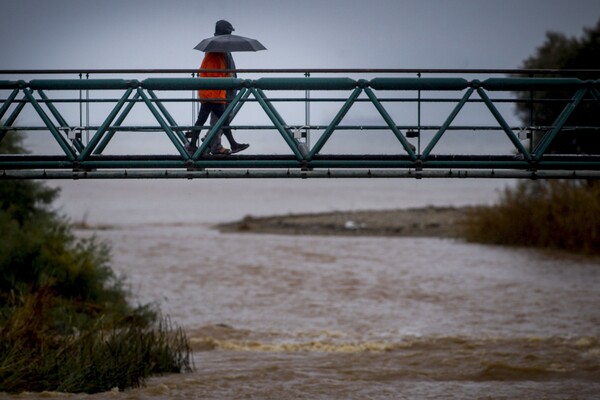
(417, 110)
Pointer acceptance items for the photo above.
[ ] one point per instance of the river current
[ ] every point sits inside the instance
(292, 317)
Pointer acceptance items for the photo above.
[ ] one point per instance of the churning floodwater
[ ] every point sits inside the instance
(290, 317)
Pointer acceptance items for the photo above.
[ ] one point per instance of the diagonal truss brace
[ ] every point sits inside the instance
(110, 133)
(391, 124)
(69, 151)
(104, 127)
(172, 136)
(277, 122)
(13, 116)
(334, 123)
(59, 118)
(559, 123)
(505, 127)
(436, 138)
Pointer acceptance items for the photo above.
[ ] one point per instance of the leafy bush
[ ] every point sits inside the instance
(66, 323)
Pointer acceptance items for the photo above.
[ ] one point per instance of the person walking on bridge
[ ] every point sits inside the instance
(211, 100)
(215, 101)
(223, 27)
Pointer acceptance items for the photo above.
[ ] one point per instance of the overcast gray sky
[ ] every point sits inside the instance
(308, 33)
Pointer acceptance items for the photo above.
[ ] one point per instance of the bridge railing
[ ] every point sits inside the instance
(162, 98)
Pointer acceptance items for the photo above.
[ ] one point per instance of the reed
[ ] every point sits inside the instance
(550, 214)
(98, 359)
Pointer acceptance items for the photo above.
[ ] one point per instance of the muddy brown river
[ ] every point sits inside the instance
(293, 317)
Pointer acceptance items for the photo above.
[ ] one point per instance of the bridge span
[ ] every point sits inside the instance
(415, 111)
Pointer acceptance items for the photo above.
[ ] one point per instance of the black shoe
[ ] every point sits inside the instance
(239, 147)
(221, 151)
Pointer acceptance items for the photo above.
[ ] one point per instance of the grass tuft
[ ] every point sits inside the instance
(103, 357)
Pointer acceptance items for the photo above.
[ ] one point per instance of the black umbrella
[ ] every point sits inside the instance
(229, 43)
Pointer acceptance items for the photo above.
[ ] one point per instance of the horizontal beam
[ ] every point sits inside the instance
(81, 84)
(191, 83)
(419, 84)
(304, 83)
(548, 162)
(426, 84)
(297, 174)
(467, 71)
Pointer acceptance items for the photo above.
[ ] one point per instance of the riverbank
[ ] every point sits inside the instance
(444, 222)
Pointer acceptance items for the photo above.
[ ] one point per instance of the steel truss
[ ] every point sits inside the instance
(86, 159)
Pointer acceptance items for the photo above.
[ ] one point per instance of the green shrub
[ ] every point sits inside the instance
(97, 359)
(550, 214)
(66, 323)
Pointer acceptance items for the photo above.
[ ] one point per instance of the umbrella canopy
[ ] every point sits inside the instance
(229, 43)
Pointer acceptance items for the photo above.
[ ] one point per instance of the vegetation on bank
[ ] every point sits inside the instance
(560, 52)
(548, 214)
(66, 322)
(552, 214)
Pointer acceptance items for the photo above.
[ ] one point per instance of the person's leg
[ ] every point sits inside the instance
(226, 132)
(205, 109)
(217, 109)
(235, 146)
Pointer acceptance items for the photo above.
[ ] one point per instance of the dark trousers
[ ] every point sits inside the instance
(205, 109)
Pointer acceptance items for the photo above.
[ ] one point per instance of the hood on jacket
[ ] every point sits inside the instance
(223, 27)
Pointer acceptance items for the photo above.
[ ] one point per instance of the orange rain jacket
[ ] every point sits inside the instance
(213, 61)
